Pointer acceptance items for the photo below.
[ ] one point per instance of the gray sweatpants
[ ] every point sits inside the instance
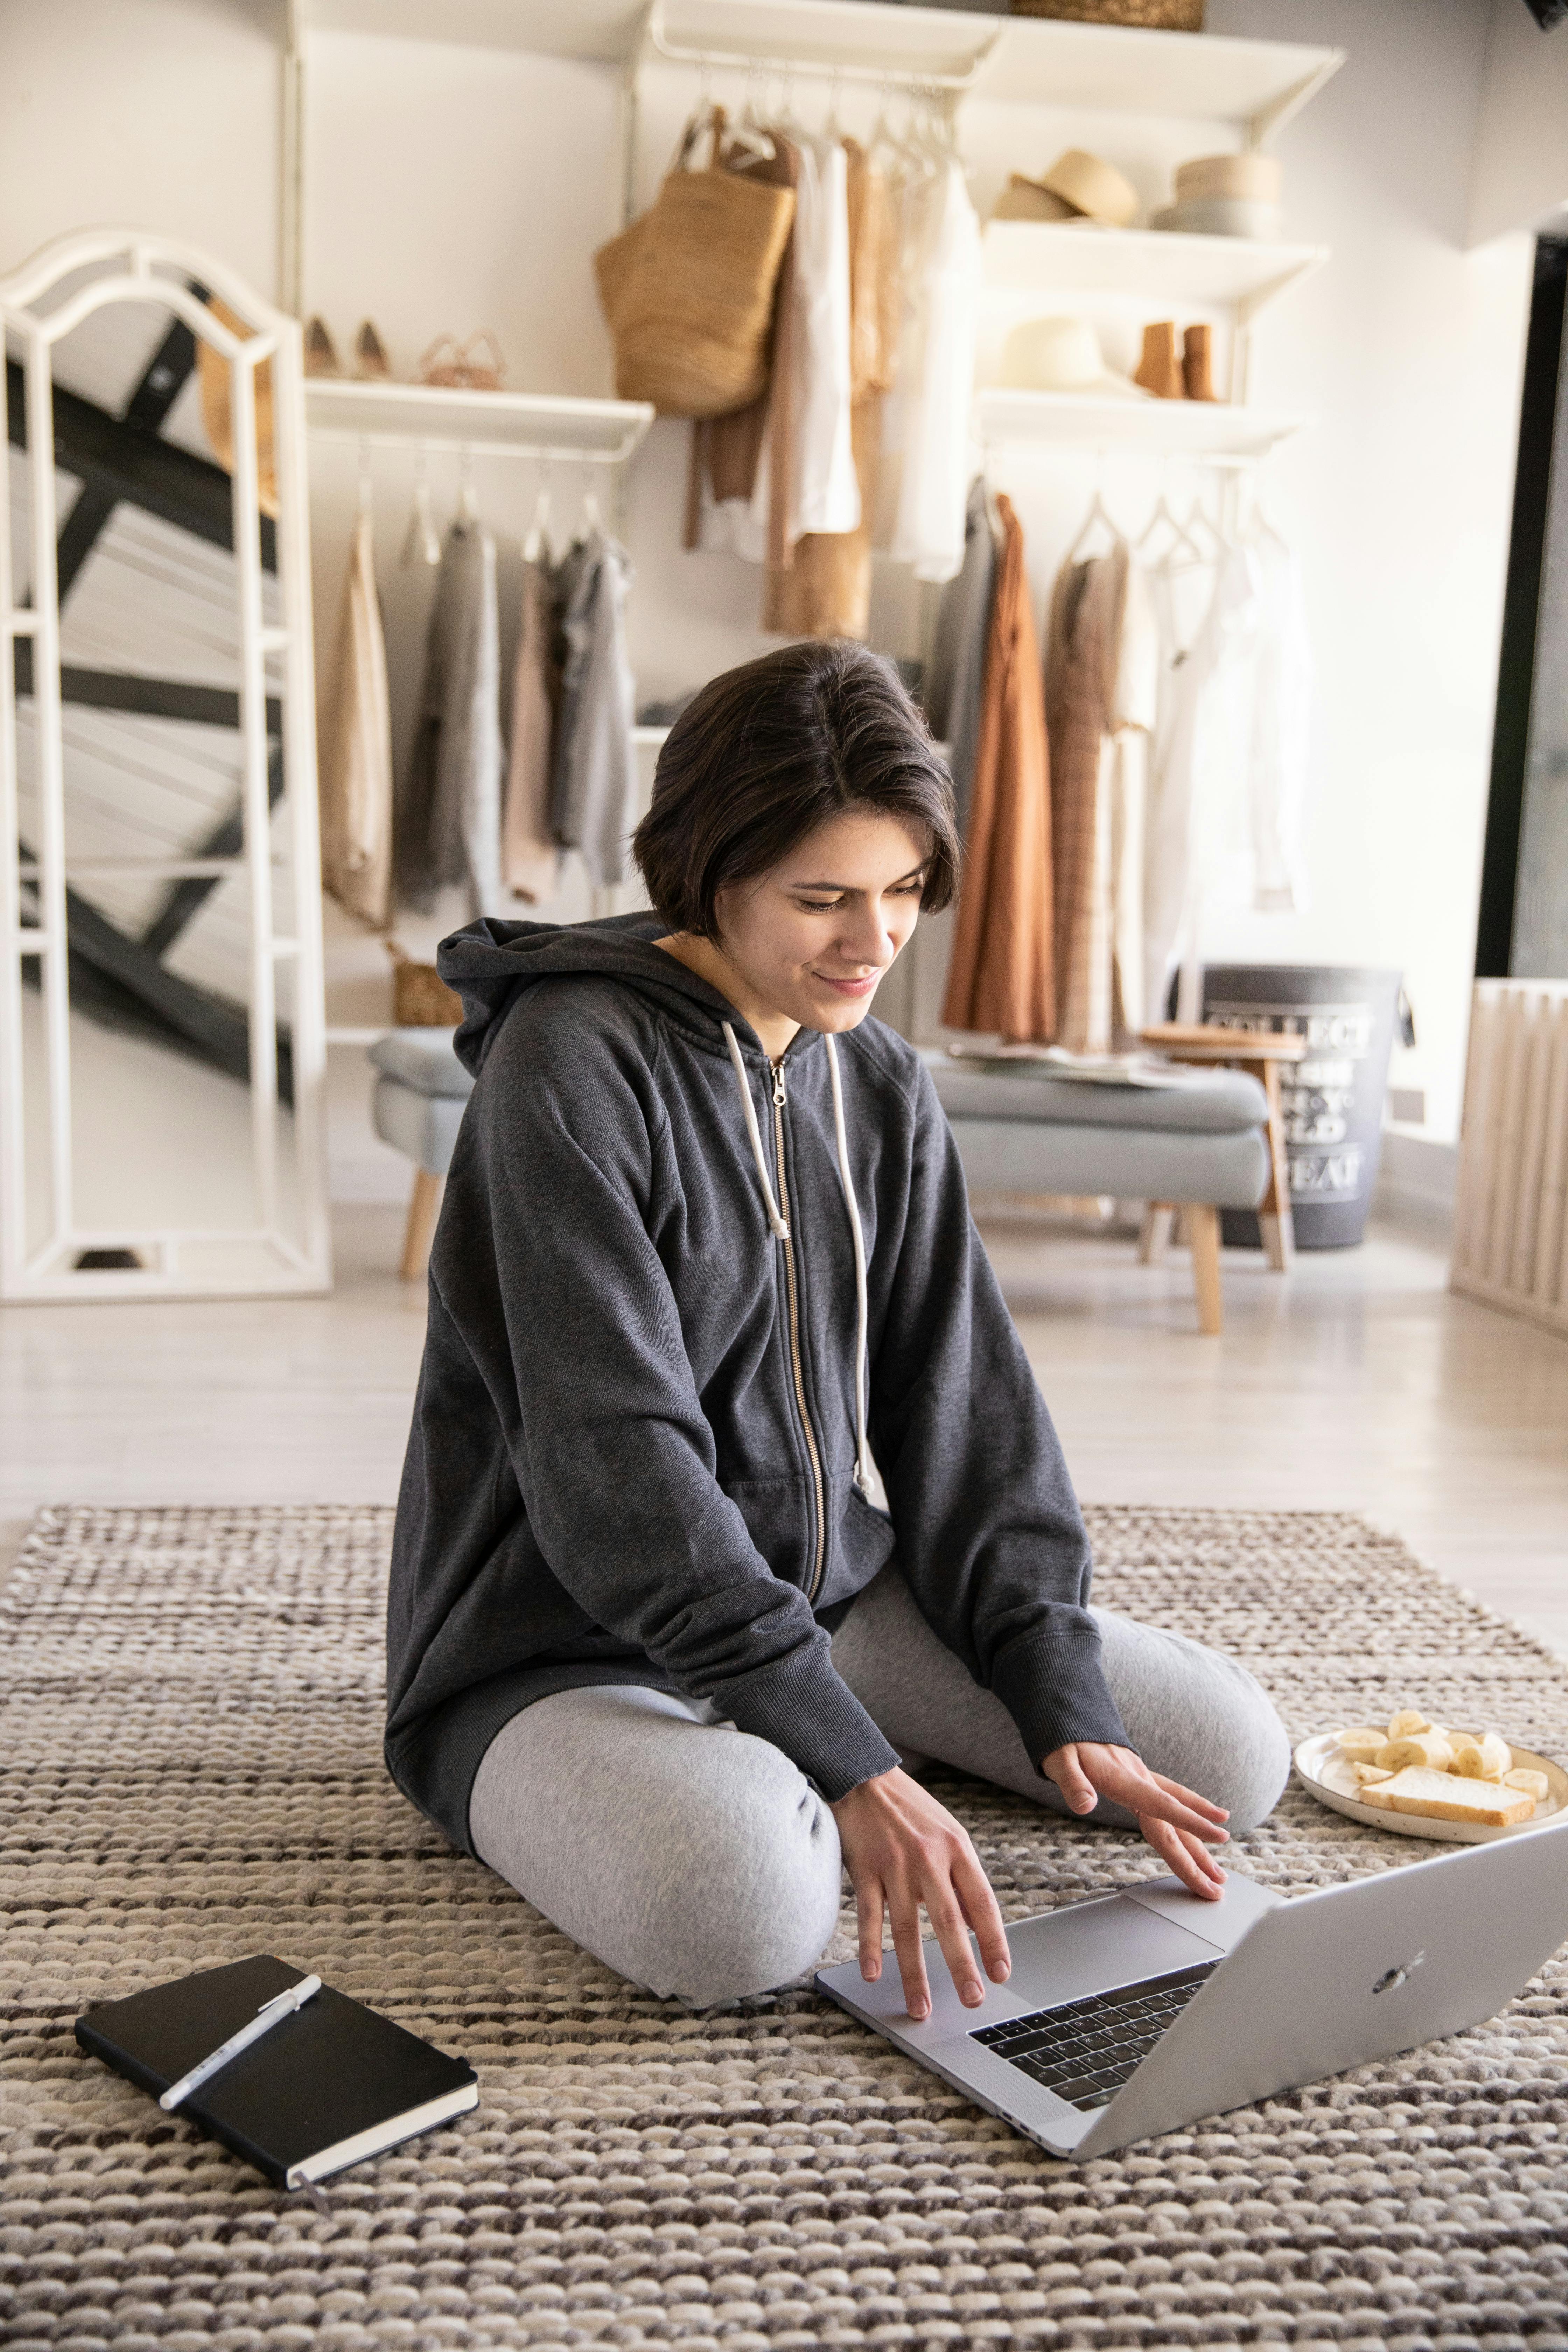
(700, 1863)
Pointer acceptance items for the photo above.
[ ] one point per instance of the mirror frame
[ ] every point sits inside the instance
(115, 266)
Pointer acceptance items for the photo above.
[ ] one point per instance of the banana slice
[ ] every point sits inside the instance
(1425, 1749)
(1485, 1758)
(1369, 1775)
(1408, 1722)
(1361, 1745)
(1534, 1784)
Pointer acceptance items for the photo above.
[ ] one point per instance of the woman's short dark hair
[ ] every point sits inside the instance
(765, 753)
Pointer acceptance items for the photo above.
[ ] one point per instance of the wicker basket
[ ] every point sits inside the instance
(1149, 15)
(420, 997)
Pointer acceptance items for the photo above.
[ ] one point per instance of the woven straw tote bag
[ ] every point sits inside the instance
(688, 290)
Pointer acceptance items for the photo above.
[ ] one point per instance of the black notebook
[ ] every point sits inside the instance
(327, 2086)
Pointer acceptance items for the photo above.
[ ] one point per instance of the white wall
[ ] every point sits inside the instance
(157, 114)
(468, 188)
(1520, 176)
(1409, 351)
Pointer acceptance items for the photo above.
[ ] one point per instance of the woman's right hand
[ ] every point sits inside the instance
(902, 1849)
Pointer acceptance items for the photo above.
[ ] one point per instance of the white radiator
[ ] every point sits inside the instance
(1510, 1235)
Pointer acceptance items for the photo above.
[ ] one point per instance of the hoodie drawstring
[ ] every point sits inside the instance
(776, 1224)
(866, 1475)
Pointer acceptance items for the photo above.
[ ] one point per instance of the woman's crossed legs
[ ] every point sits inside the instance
(699, 1861)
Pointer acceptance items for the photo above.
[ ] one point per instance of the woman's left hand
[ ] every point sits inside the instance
(1179, 1825)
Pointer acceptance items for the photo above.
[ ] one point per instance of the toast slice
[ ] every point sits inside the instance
(1444, 1797)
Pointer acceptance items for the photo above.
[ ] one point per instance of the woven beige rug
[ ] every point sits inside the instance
(192, 1773)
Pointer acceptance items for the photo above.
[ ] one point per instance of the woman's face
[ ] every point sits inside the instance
(813, 938)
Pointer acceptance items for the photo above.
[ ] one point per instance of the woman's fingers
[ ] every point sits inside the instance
(1071, 1778)
(1190, 1796)
(1197, 1870)
(1143, 1794)
(869, 1905)
(905, 1908)
(980, 1909)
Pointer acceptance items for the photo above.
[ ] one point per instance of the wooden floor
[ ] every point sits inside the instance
(1356, 1382)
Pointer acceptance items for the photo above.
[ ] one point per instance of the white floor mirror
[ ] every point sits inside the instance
(162, 1022)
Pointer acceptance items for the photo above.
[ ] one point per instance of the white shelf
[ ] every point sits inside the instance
(563, 28)
(1169, 267)
(1212, 431)
(501, 424)
(1022, 60)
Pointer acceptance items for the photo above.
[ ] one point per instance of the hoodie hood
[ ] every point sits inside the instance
(490, 961)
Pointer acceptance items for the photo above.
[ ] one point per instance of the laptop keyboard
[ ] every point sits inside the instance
(1085, 2050)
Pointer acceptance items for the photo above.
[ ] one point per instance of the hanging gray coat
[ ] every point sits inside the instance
(448, 809)
(594, 797)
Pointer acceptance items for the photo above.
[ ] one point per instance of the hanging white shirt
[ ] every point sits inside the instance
(826, 490)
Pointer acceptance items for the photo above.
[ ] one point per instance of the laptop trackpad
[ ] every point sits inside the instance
(1090, 1947)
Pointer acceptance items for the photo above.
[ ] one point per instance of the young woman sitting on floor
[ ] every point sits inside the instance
(729, 1480)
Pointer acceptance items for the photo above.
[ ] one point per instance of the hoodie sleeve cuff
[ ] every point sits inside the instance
(1053, 1686)
(802, 1705)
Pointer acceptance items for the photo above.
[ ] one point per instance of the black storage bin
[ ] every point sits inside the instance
(1333, 1099)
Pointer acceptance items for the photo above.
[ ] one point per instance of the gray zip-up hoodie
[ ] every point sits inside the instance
(638, 1455)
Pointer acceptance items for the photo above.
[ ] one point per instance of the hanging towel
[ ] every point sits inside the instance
(1196, 779)
(531, 856)
(936, 373)
(1281, 727)
(594, 784)
(955, 685)
(449, 818)
(1083, 643)
(356, 747)
(1001, 977)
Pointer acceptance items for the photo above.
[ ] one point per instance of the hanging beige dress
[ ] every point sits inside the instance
(355, 747)
(530, 854)
(1083, 645)
(1001, 977)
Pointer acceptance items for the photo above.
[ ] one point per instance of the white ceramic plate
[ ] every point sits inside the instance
(1331, 1779)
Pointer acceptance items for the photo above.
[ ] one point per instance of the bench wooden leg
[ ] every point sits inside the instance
(1200, 1224)
(420, 1229)
(1275, 1222)
(1155, 1233)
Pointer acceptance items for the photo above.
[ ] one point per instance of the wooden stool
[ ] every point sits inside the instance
(1260, 1054)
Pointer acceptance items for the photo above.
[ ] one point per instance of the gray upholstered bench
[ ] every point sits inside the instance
(1203, 1145)
(420, 1090)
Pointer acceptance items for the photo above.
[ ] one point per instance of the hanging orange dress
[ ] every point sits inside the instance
(1002, 975)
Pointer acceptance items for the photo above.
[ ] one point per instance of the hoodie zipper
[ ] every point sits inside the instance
(795, 1365)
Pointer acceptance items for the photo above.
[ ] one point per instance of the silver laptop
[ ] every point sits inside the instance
(1135, 2013)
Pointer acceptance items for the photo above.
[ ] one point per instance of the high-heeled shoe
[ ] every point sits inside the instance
(371, 363)
(1160, 371)
(321, 356)
(1197, 353)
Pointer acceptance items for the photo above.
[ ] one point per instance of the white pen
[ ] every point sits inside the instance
(265, 2017)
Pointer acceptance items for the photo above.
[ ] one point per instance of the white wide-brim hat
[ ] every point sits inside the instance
(1062, 356)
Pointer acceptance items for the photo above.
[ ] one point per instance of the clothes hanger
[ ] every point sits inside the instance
(468, 506)
(421, 540)
(1163, 517)
(590, 500)
(366, 487)
(1097, 513)
(536, 546)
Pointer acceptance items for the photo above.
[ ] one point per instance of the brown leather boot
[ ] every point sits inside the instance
(1198, 352)
(1159, 371)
